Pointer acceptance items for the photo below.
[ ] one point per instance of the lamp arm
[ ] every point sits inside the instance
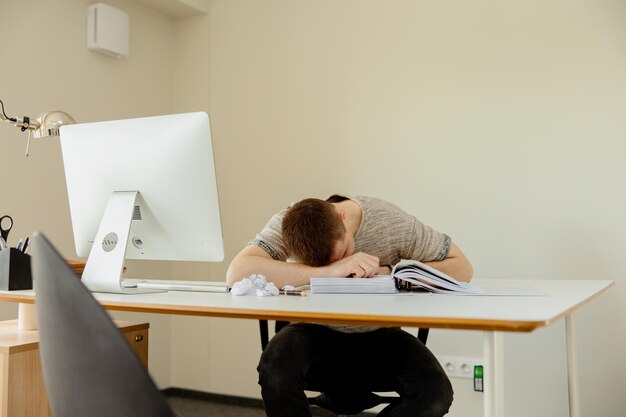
(24, 122)
(48, 124)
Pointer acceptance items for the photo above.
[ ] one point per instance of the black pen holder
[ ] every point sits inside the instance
(15, 273)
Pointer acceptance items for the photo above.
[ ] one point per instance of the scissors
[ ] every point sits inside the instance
(4, 232)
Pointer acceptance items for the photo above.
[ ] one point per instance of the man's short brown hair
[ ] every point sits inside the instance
(311, 228)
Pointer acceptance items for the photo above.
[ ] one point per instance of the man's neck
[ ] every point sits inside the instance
(354, 214)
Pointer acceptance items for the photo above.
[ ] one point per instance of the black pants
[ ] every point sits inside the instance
(313, 357)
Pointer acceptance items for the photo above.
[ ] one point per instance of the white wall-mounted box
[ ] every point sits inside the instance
(107, 30)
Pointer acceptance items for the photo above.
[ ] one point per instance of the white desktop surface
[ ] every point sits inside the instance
(505, 313)
(494, 314)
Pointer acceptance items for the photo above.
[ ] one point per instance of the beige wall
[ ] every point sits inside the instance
(496, 122)
(45, 65)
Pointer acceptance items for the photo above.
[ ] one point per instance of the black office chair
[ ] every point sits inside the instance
(337, 404)
(89, 368)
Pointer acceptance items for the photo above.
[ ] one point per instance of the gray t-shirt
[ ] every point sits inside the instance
(386, 231)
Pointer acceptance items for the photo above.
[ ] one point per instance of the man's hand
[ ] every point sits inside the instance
(384, 270)
(358, 265)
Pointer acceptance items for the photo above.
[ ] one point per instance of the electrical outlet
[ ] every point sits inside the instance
(459, 367)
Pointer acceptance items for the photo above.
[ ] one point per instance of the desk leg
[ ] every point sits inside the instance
(572, 368)
(493, 377)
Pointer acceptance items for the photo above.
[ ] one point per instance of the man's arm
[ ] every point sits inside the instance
(254, 260)
(456, 264)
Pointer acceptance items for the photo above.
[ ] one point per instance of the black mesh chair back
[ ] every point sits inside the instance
(89, 368)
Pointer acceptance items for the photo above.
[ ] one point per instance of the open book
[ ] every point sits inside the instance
(414, 275)
(406, 275)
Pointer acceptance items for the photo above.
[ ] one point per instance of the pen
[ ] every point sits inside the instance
(19, 245)
(293, 292)
(26, 242)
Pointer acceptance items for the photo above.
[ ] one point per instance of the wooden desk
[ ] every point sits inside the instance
(494, 314)
(22, 390)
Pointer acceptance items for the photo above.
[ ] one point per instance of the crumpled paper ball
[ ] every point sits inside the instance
(255, 284)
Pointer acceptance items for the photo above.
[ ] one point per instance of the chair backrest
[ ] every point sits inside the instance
(89, 368)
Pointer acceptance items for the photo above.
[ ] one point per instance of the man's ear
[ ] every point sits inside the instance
(342, 215)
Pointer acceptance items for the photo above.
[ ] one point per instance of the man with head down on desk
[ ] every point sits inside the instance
(347, 237)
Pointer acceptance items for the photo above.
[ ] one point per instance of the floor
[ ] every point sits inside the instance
(186, 403)
(191, 407)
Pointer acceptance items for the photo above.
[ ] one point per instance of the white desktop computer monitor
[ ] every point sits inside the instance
(141, 189)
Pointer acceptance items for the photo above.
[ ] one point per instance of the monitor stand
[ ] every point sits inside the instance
(103, 271)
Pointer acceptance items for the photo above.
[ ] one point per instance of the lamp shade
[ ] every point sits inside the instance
(50, 122)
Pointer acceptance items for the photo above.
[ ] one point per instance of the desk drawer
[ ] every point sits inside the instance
(138, 340)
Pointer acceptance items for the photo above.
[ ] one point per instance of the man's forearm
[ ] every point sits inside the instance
(254, 260)
(279, 272)
(457, 268)
(456, 264)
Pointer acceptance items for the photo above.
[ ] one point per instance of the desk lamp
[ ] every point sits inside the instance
(46, 125)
